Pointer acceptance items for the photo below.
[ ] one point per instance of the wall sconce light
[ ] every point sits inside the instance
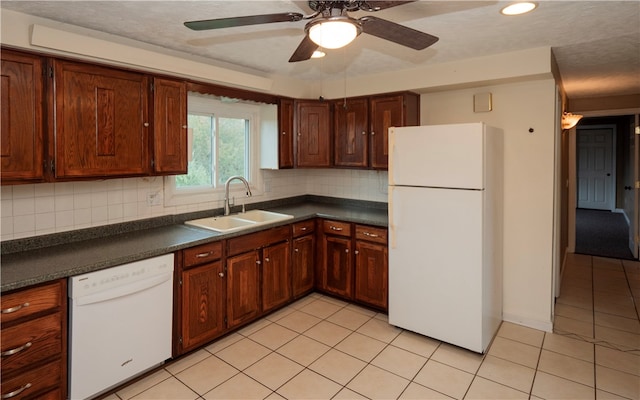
(570, 120)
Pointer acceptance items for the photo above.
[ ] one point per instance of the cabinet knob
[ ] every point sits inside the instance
(346, 250)
(221, 274)
(296, 250)
(146, 124)
(258, 262)
(364, 133)
(356, 252)
(284, 133)
(373, 133)
(184, 126)
(266, 259)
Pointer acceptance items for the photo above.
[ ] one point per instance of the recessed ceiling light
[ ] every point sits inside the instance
(318, 54)
(518, 8)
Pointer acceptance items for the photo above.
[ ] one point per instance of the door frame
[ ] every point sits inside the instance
(614, 154)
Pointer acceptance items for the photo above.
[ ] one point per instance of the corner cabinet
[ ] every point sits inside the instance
(313, 133)
(21, 120)
(101, 121)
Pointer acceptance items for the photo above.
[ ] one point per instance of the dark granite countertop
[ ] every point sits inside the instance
(68, 254)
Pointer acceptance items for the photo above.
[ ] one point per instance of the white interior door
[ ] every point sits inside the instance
(634, 227)
(596, 174)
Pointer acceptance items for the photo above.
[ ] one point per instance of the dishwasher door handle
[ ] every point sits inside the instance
(124, 290)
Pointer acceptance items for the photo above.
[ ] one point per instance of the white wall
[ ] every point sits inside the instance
(528, 186)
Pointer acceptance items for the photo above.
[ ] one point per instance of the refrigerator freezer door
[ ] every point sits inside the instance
(448, 156)
(435, 263)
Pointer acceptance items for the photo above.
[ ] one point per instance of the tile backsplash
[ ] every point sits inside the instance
(38, 209)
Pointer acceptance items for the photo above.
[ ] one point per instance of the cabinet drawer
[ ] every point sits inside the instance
(304, 227)
(336, 228)
(202, 254)
(258, 240)
(28, 302)
(30, 342)
(371, 234)
(33, 381)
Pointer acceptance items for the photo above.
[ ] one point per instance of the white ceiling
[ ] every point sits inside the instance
(596, 43)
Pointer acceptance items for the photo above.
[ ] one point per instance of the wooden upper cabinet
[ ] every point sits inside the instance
(313, 133)
(169, 126)
(386, 111)
(21, 120)
(351, 132)
(101, 121)
(285, 134)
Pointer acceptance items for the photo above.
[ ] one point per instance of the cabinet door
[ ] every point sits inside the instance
(371, 274)
(387, 111)
(243, 280)
(313, 134)
(169, 126)
(337, 269)
(351, 144)
(101, 124)
(276, 275)
(21, 125)
(285, 136)
(203, 305)
(303, 264)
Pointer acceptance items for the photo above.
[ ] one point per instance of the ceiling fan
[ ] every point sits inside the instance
(331, 27)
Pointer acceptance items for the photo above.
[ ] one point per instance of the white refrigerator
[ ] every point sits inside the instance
(445, 232)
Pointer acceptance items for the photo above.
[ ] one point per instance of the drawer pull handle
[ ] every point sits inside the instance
(14, 309)
(335, 228)
(304, 228)
(203, 255)
(16, 392)
(373, 235)
(16, 350)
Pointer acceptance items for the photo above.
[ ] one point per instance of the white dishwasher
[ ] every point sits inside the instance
(120, 324)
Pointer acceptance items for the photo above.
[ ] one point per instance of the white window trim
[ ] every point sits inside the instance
(191, 196)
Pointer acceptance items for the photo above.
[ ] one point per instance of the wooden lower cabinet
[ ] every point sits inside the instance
(302, 264)
(276, 275)
(336, 271)
(243, 288)
(372, 269)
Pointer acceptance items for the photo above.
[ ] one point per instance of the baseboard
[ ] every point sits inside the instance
(546, 326)
(626, 217)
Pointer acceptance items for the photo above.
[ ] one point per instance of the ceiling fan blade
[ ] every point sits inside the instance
(242, 21)
(374, 5)
(397, 33)
(305, 50)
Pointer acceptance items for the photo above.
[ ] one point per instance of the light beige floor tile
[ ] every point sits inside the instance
(273, 336)
(346, 394)
(605, 262)
(376, 383)
(576, 313)
(568, 346)
(338, 366)
(608, 307)
(458, 357)
(415, 343)
(274, 396)
(169, 389)
(303, 350)
(112, 396)
(305, 300)
(254, 327)
(400, 362)
(444, 379)
(224, 342)
(273, 370)
(631, 325)
(563, 325)
(379, 329)
(566, 367)
(419, 392)
(349, 319)
(623, 340)
(382, 317)
(186, 362)
(513, 351)
(332, 300)
(361, 310)
(485, 389)
(320, 308)
(585, 301)
(602, 395)
(143, 384)
(618, 360)
(206, 374)
(243, 353)
(240, 387)
(298, 321)
(309, 385)
(507, 373)
(283, 312)
(521, 333)
(327, 333)
(548, 386)
(361, 346)
(617, 382)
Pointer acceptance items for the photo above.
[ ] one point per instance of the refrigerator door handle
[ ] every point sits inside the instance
(392, 212)
(392, 150)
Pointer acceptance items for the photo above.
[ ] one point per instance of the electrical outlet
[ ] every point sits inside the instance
(153, 199)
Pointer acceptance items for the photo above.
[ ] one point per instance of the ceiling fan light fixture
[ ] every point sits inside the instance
(521, 7)
(318, 54)
(334, 32)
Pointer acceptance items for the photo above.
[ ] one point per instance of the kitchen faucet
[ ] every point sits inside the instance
(227, 209)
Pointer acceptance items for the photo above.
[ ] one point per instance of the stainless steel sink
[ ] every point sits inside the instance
(238, 222)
